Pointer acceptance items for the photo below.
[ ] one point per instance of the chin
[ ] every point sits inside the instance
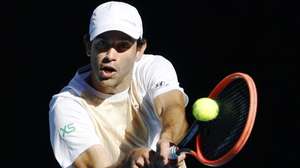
(108, 82)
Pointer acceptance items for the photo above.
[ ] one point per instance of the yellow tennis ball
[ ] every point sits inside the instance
(205, 109)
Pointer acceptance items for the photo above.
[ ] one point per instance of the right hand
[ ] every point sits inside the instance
(163, 147)
(139, 158)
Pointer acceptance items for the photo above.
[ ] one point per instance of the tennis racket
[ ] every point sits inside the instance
(219, 140)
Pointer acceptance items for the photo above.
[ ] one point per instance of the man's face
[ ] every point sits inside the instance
(113, 55)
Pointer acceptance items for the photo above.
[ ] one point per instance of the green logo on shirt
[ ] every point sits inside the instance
(67, 129)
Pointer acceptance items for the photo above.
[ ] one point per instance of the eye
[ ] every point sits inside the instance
(100, 44)
(122, 46)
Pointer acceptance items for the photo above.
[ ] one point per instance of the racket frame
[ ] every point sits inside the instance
(247, 129)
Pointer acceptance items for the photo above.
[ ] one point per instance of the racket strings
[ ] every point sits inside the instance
(234, 105)
(237, 97)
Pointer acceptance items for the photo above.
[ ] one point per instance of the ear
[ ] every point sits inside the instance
(87, 44)
(140, 51)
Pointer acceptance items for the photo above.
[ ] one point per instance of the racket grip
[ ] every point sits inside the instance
(175, 152)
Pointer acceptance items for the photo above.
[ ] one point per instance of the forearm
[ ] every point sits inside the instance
(174, 124)
(171, 110)
(96, 157)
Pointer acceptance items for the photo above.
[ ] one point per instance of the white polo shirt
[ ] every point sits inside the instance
(81, 116)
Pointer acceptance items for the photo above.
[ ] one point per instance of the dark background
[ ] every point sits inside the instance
(205, 40)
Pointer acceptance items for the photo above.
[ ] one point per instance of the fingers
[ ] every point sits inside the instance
(163, 151)
(181, 157)
(140, 161)
(178, 162)
(139, 158)
(135, 166)
(146, 158)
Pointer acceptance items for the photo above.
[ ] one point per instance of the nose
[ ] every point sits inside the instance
(111, 54)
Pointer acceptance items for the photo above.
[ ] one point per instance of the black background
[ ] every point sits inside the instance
(205, 40)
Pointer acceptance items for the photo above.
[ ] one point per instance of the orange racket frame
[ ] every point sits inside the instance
(247, 129)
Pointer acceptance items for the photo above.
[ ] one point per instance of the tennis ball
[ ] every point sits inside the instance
(205, 109)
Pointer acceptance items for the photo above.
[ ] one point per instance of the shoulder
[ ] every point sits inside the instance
(71, 128)
(149, 59)
(66, 97)
(65, 105)
(150, 64)
(152, 71)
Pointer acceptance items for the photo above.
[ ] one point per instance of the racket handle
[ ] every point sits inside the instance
(175, 152)
(194, 129)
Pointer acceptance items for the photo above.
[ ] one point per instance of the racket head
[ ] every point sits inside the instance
(221, 139)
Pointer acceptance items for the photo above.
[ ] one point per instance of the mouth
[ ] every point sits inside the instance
(107, 72)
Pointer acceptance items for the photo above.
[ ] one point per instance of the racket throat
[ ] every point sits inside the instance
(190, 135)
(185, 150)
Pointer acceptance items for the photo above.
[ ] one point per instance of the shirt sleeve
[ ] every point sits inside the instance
(71, 130)
(161, 77)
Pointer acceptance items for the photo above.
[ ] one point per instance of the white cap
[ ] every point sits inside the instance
(116, 16)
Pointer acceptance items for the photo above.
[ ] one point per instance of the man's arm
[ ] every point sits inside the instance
(171, 109)
(93, 157)
(96, 157)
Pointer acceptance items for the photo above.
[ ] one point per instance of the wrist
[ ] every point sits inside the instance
(167, 136)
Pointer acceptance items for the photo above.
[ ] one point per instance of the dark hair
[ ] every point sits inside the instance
(140, 42)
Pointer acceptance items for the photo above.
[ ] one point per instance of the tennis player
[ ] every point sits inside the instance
(125, 108)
